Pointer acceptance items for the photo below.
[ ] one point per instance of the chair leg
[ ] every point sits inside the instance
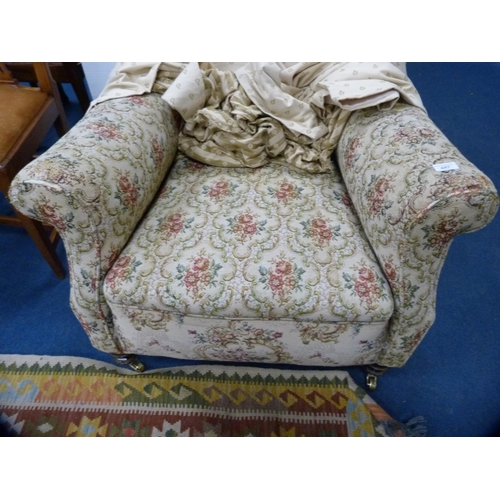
(61, 123)
(77, 78)
(62, 93)
(42, 240)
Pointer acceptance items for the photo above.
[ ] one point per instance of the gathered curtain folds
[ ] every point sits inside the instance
(248, 114)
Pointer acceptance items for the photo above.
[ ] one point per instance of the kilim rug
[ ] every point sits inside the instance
(61, 396)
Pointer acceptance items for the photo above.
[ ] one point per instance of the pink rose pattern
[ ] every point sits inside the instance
(199, 275)
(319, 230)
(220, 189)
(245, 226)
(377, 195)
(138, 100)
(128, 192)
(174, 224)
(52, 214)
(351, 152)
(283, 278)
(286, 193)
(105, 130)
(158, 151)
(415, 136)
(123, 270)
(366, 286)
(440, 234)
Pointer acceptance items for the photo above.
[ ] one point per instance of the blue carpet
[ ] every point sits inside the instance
(450, 380)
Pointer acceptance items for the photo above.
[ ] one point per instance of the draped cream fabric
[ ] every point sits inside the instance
(246, 114)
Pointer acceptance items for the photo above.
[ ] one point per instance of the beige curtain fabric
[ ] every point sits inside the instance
(248, 114)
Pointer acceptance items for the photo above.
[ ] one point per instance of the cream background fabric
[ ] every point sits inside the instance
(246, 114)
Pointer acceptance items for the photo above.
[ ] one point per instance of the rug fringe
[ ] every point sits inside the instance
(416, 427)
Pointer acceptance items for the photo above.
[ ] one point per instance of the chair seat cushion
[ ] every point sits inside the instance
(242, 248)
(19, 106)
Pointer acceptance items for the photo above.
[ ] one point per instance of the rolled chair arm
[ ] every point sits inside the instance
(409, 210)
(94, 185)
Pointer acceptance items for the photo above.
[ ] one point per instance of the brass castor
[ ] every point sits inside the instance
(129, 360)
(374, 371)
(137, 366)
(371, 382)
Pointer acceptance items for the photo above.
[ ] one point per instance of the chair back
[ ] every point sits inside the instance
(6, 76)
(46, 82)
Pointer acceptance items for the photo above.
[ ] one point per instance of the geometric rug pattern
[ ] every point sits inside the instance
(78, 397)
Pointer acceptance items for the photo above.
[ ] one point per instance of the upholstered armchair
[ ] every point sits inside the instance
(172, 257)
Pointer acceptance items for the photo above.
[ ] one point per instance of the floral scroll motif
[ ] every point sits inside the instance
(323, 333)
(220, 189)
(195, 166)
(201, 274)
(145, 319)
(416, 136)
(244, 226)
(174, 224)
(283, 278)
(440, 233)
(351, 153)
(157, 151)
(365, 284)
(124, 269)
(319, 231)
(105, 129)
(377, 194)
(240, 342)
(286, 192)
(127, 189)
(52, 213)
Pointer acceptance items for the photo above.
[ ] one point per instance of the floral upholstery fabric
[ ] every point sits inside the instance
(268, 264)
(410, 212)
(235, 250)
(94, 185)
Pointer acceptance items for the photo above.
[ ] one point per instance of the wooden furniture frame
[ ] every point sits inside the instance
(62, 72)
(24, 148)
